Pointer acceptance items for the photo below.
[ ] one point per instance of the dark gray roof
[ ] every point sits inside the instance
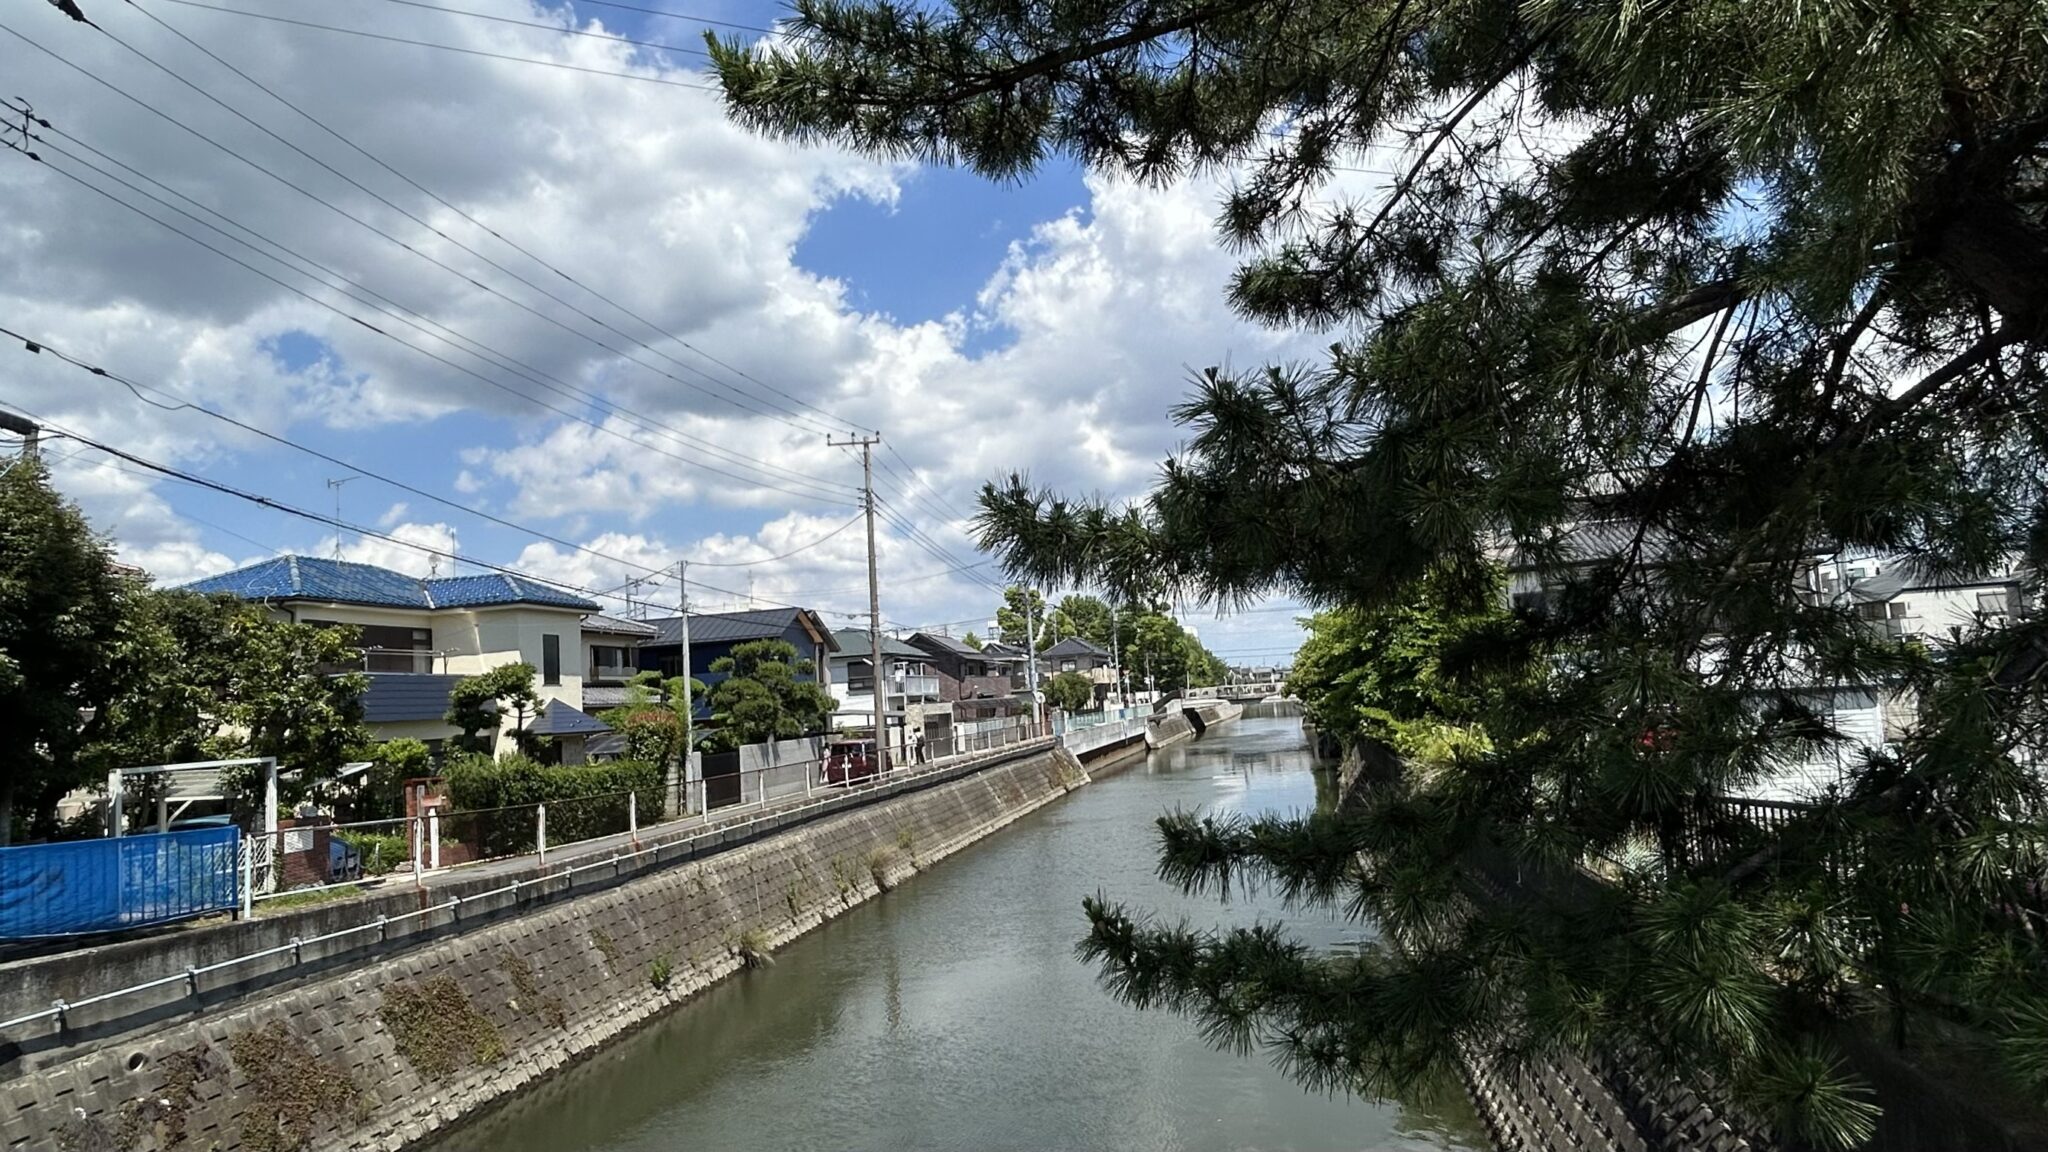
(733, 627)
(397, 696)
(1074, 646)
(854, 643)
(997, 650)
(933, 641)
(561, 718)
(614, 626)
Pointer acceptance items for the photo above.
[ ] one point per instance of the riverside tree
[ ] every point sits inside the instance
(763, 696)
(1662, 300)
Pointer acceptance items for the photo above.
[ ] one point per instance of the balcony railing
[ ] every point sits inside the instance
(915, 686)
(619, 672)
(415, 661)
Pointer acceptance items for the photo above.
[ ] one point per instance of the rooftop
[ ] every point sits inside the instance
(733, 627)
(854, 643)
(561, 718)
(1074, 646)
(614, 626)
(320, 580)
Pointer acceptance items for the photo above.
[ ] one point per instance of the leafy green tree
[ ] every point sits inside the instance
(972, 641)
(1070, 691)
(1010, 626)
(762, 697)
(1661, 300)
(1159, 648)
(652, 720)
(1378, 673)
(381, 795)
(198, 678)
(1086, 617)
(62, 606)
(478, 704)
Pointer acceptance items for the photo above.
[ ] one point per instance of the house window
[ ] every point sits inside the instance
(1996, 603)
(609, 661)
(387, 647)
(672, 666)
(1875, 611)
(550, 659)
(1066, 666)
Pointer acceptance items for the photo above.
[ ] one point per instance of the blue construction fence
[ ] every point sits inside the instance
(83, 886)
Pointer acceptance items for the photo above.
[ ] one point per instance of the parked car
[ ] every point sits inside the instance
(849, 760)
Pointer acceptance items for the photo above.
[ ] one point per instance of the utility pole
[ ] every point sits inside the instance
(866, 444)
(689, 704)
(1031, 655)
(25, 428)
(1116, 659)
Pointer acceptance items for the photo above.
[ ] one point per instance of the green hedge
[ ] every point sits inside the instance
(584, 800)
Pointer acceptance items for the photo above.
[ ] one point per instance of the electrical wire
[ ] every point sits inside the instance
(678, 16)
(38, 346)
(450, 206)
(811, 496)
(556, 28)
(815, 489)
(730, 394)
(447, 47)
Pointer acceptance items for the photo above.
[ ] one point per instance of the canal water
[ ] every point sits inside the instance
(952, 1014)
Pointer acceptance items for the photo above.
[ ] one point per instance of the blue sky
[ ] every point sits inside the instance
(1044, 326)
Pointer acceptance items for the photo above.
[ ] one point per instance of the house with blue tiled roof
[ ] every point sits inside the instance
(420, 636)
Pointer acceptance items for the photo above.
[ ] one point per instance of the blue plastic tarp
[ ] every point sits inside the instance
(83, 886)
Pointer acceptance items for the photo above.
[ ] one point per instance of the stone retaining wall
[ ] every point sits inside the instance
(1170, 728)
(382, 1056)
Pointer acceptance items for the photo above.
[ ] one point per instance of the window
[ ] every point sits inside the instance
(388, 647)
(1872, 611)
(550, 659)
(1994, 603)
(1067, 666)
(610, 662)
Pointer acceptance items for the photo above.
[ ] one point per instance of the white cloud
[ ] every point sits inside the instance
(1064, 364)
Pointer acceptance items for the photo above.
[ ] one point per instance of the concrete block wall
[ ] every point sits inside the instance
(381, 1057)
(1169, 728)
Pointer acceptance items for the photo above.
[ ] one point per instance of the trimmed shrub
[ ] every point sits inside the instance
(584, 800)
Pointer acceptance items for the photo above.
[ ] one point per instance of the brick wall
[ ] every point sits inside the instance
(381, 1057)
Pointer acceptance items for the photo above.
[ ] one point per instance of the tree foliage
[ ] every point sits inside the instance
(1010, 618)
(1378, 673)
(478, 705)
(762, 697)
(61, 608)
(1070, 691)
(1660, 301)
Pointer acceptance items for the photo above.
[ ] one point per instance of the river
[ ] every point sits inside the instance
(953, 1014)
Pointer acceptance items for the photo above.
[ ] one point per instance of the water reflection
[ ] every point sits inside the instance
(952, 1014)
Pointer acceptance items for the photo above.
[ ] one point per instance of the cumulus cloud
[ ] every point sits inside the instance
(564, 411)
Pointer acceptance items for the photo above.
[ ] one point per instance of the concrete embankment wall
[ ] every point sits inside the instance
(1114, 740)
(1168, 728)
(384, 1054)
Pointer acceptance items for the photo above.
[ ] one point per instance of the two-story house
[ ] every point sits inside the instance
(420, 637)
(611, 658)
(716, 634)
(979, 683)
(1077, 655)
(909, 679)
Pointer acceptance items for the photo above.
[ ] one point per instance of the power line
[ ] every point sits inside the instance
(37, 346)
(447, 47)
(812, 496)
(372, 533)
(731, 395)
(450, 206)
(815, 489)
(655, 44)
(678, 16)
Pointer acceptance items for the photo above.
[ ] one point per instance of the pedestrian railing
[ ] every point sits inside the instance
(816, 797)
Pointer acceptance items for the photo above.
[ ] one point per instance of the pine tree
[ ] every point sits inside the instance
(1661, 302)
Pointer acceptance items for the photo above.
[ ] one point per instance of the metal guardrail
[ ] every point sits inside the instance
(382, 924)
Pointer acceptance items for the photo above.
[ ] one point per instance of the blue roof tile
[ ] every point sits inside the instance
(344, 582)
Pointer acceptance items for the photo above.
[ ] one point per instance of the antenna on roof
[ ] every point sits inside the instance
(433, 565)
(336, 485)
